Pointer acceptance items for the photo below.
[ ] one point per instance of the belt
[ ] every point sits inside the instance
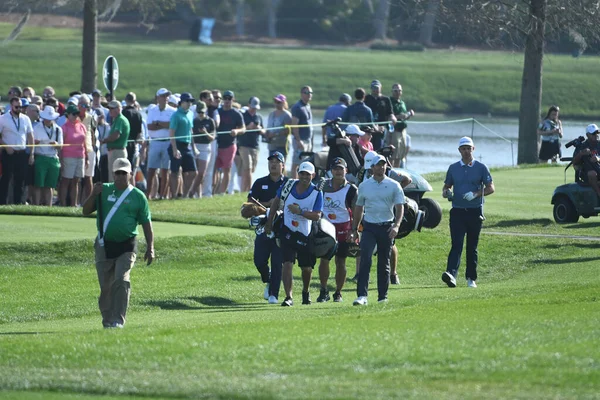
(380, 223)
(159, 140)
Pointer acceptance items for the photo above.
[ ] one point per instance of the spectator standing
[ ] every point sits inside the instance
(248, 142)
(117, 139)
(97, 103)
(550, 130)
(398, 137)
(88, 118)
(280, 117)
(73, 157)
(204, 131)
(333, 112)
(47, 164)
(381, 106)
(73, 101)
(116, 245)
(158, 121)
(303, 204)
(264, 190)
(136, 124)
(302, 136)
(381, 201)
(358, 113)
(471, 181)
(103, 133)
(339, 198)
(16, 132)
(231, 125)
(49, 93)
(182, 150)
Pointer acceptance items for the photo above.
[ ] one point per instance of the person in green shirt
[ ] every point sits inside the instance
(397, 138)
(121, 208)
(116, 141)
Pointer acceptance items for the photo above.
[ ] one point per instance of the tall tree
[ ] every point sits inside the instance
(380, 20)
(240, 17)
(272, 17)
(426, 33)
(89, 71)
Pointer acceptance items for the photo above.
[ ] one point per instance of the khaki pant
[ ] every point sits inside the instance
(113, 154)
(398, 139)
(115, 287)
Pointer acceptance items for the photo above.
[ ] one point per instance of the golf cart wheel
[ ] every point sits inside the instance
(564, 211)
(433, 212)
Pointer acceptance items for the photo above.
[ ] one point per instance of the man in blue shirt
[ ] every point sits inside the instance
(264, 190)
(334, 111)
(471, 181)
(358, 112)
(301, 136)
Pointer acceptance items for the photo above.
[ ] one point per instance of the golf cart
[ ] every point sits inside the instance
(575, 199)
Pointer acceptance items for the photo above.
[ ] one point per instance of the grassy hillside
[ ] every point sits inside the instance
(433, 81)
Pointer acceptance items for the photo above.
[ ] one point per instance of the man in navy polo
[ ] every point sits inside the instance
(471, 181)
(265, 190)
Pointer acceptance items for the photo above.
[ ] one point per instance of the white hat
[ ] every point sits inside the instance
(368, 158)
(49, 113)
(122, 164)
(465, 141)
(354, 130)
(591, 129)
(173, 99)
(73, 100)
(377, 159)
(306, 166)
(162, 91)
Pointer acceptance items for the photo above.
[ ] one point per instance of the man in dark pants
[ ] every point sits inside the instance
(378, 196)
(265, 190)
(468, 176)
(16, 131)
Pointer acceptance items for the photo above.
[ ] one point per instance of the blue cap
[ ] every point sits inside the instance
(24, 102)
(187, 97)
(277, 155)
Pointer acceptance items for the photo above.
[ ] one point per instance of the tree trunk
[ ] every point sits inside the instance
(381, 19)
(89, 71)
(272, 22)
(426, 35)
(531, 85)
(239, 17)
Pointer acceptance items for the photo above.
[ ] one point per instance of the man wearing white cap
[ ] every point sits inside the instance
(588, 157)
(121, 208)
(302, 204)
(381, 201)
(48, 136)
(471, 181)
(158, 121)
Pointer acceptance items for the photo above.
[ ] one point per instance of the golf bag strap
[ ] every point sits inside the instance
(285, 192)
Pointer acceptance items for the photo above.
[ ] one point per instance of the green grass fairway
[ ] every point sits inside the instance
(22, 228)
(199, 328)
(434, 81)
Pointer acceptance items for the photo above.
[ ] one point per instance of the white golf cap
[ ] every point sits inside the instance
(354, 130)
(173, 99)
(591, 129)
(122, 164)
(377, 159)
(369, 158)
(49, 114)
(73, 100)
(306, 166)
(162, 91)
(465, 141)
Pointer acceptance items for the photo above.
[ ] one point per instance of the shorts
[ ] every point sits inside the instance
(343, 249)
(47, 171)
(91, 168)
(305, 259)
(158, 154)
(186, 162)
(249, 158)
(296, 156)
(225, 157)
(73, 167)
(203, 151)
(398, 140)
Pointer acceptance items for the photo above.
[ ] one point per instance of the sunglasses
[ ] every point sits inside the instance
(84, 105)
(120, 172)
(396, 90)
(307, 92)
(227, 98)
(17, 107)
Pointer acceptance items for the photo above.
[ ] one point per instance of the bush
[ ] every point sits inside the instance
(388, 46)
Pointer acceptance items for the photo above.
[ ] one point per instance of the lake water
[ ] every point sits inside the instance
(434, 140)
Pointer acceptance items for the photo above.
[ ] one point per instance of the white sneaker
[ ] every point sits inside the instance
(273, 300)
(360, 301)
(449, 279)
(266, 292)
(471, 283)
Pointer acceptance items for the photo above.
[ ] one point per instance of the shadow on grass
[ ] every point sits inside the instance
(246, 278)
(564, 250)
(204, 303)
(583, 226)
(520, 222)
(24, 333)
(565, 261)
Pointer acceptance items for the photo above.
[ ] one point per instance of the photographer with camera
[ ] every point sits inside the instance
(587, 156)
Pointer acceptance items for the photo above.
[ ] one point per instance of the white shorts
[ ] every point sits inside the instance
(91, 168)
(203, 151)
(72, 167)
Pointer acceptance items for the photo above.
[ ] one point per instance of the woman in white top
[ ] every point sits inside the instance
(49, 137)
(550, 130)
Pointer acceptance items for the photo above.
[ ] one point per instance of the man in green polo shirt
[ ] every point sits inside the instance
(121, 208)
(116, 142)
(397, 138)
